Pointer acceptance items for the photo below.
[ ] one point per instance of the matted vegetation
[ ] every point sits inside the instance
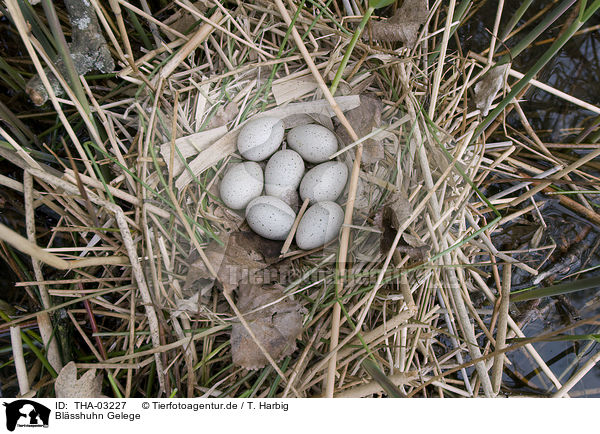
(125, 252)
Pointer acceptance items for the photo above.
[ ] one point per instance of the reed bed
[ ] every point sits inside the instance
(412, 300)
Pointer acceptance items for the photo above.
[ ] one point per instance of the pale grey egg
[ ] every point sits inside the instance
(270, 217)
(319, 225)
(324, 182)
(313, 142)
(241, 183)
(283, 174)
(259, 138)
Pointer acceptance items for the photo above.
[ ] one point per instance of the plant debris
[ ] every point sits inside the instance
(364, 119)
(403, 25)
(241, 258)
(488, 87)
(224, 115)
(276, 326)
(397, 210)
(68, 386)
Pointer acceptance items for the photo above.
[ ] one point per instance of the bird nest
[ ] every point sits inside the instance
(178, 288)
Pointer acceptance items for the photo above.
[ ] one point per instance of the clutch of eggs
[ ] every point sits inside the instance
(270, 198)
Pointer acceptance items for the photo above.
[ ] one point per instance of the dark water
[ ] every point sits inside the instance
(574, 71)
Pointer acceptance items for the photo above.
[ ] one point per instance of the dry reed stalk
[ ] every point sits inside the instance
(542, 185)
(501, 329)
(290, 237)
(584, 211)
(168, 347)
(131, 251)
(302, 360)
(30, 249)
(374, 388)
(115, 6)
(108, 29)
(19, 360)
(116, 366)
(494, 35)
(516, 331)
(185, 4)
(20, 151)
(203, 32)
(551, 90)
(117, 193)
(341, 352)
(45, 324)
(457, 298)
(85, 338)
(111, 134)
(345, 236)
(442, 56)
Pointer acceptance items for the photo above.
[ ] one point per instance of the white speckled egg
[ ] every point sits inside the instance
(283, 174)
(259, 138)
(242, 183)
(270, 217)
(324, 182)
(319, 225)
(313, 142)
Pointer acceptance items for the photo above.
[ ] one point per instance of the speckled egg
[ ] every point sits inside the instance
(324, 182)
(283, 174)
(242, 183)
(270, 217)
(319, 225)
(313, 142)
(259, 138)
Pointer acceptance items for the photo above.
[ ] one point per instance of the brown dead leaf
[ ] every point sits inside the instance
(230, 221)
(298, 119)
(414, 247)
(190, 305)
(394, 213)
(67, 385)
(182, 20)
(412, 240)
(487, 88)
(388, 233)
(364, 119)
(401, 208)
(295, 120)
(286, 89)
(224, 115)
(403, 25)
(241, 258)
(276, 326)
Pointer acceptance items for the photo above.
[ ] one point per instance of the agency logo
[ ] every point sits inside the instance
(26, 413)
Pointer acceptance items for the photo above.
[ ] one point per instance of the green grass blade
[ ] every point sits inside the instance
(390, 388)
(514, 19)
(549, 54)
(542, 27)
(350, 48)
(561, 288)
(113, 385)
(378, 4)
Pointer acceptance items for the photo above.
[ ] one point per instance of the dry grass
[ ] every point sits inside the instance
(133, 213)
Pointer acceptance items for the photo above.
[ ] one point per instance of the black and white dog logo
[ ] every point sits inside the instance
(26, 413)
